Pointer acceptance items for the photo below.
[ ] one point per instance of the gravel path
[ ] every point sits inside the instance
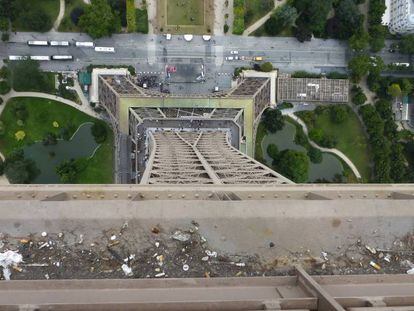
(60, 16)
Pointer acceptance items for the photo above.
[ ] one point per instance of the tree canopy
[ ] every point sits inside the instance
(294, 165)
(99, 20)
(25, 75)
(394, 90)
(273, 120)
(359, 66)
(283, 17)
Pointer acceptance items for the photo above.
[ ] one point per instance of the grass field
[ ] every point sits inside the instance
(255, 9)
(185, 12)
(261, 133)
(41, 115)
(67, 24)
(351, 138)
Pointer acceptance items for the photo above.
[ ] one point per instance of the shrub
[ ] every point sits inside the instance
(4, 87)
(266, 67)
(272, 151)
(142, 20)
(315, 155)
(131, 16)
(99, 132)
(226, 28)
(5, 36)
(238, 22)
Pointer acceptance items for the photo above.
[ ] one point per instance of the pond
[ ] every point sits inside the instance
(82, 144)
(285, 139)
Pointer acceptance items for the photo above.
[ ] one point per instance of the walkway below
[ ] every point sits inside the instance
(60, 16)
(330, 150)
(84, 108)
(259, 23)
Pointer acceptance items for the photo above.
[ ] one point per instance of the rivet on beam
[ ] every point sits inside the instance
(74, 196)
(157, 196)
(249, 196)
(115, 195)
(19, 196)
(262, 196)
(129, 196)
(210, 195)
(275, 196)
(102, 196)
(288, 196)
(196, 195)
(33, 195)
(183, 196)
(170, 195)
(365, 195)
(88, 196)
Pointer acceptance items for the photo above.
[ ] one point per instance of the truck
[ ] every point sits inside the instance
(104, 49)
(258, 58)
(85, 44)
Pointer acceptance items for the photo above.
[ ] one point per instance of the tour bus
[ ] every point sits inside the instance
(39, 57)
(104, 49)
(62, 57)
(38, 43)
(59, 43)
(16, 57)
(402, 64)
(86, 44)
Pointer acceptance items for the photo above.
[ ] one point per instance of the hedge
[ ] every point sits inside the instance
(142, 20)
(238, 23)
(130, 16)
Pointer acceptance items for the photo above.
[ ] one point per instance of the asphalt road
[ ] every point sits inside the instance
(151, 52)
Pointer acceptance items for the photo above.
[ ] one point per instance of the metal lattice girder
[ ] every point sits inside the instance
(203, 157)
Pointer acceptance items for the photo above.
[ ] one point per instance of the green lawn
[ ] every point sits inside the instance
(41, 115)
(67, 24)
(255, 9)
(185, 12)
(261, 133)
(351, 138)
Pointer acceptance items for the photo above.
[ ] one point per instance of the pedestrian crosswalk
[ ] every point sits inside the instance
(224, 73)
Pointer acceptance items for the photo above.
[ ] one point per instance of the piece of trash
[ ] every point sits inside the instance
(80, 239)
(204, 258)
(155, 230)
(271, 244)
(186, 267)
(24, 241)
(371, 249)
(18, 269)
(387, 258)
(211, 254)
(36, 265)
(160, 275)
(239, 273)
(113, 237)
(44, 234)
(44, 245)
(181, 236)
(411, 271)
(127, 270)
(157, 244)
(60, 235)
(206, 274)
(324, 256)
(375, 265)
(47, 277)
(203, 239)
(240, 264)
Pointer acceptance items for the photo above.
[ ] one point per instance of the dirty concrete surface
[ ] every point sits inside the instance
(184, 252)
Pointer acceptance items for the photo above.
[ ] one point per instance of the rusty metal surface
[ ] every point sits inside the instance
(386, 292)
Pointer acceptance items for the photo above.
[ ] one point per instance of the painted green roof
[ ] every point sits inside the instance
(85, 78)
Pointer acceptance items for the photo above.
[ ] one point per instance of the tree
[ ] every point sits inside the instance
(4, 87)
(49, 139)
(312, 16)
(349, 18)
(273, 120)
(358, 97)
(76, 14)
(407, 44)
(316, 135)
(99, 132)
(394, 90)
(315, 155)
(359, 66)
(67, 171)
(5, 36)
(359, 41)
(282, 18)
(377, 37)
(266, 67)
(273, 151)
(338, 113)
(406, 86)
(98, 20)
(18, 169)
(25, 75)
(294, 165)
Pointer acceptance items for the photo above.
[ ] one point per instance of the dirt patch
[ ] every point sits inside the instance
(185, 16)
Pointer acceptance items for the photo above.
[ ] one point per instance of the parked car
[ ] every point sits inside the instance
(229, 58)
(234, 52)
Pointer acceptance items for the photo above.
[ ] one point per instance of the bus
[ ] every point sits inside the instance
(104, 49)
(37, 43)
(401, 64)
(62, 57)
(39, 57)
(59, 43)
(86, 44)
(16, 57)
